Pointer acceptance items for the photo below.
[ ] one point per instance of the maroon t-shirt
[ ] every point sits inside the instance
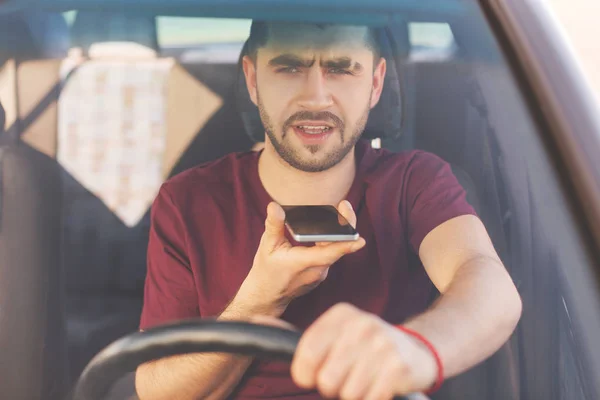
(207, 223)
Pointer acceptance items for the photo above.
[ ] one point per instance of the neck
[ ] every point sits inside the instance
(289, 186)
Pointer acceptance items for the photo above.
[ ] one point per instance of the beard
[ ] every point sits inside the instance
(294, 157)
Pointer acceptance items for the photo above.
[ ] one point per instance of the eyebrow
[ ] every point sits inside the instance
(342, 63)
(291, 60)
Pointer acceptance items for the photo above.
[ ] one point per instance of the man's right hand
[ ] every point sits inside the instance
(282, 272)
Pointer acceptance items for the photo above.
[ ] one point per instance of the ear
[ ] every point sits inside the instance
(250, 74)
(378, 80)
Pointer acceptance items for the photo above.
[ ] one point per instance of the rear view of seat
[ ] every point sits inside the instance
(100, 215)
(451, 122)
(125, 116)
(33, 364)
(450, 89)
(111, 142)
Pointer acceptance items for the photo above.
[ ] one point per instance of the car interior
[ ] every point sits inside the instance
(115, 85)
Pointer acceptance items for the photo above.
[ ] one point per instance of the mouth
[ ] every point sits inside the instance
(313, 133)
(313, 128)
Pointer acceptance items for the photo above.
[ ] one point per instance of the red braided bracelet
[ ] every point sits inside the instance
(438, 360)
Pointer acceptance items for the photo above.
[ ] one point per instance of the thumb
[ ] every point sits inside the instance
(274, 225)
(346, 210)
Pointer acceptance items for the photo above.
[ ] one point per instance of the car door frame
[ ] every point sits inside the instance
(566, 111)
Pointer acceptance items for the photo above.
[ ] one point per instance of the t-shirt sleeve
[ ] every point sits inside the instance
(433, 196)
(170, 292)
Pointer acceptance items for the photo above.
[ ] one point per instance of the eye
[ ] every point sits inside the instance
(289, 70)
(339, 71)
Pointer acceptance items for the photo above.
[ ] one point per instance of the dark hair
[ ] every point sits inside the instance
(259, 35)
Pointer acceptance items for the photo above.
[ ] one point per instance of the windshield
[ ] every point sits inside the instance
(122, 102)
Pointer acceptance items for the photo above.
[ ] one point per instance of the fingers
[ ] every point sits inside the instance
(389, 382)
(347, 212)
(364, 372)
(345, 208)
(274, 226)
(350, 354)
(326, 255)
(315, 344)
(346, 361)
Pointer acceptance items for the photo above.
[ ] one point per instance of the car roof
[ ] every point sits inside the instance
(376, 12)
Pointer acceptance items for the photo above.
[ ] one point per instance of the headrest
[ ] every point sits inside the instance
(49, 31)
(97, 27)
(16, 39)
(121, 50)
(385, 119)
(33, 34)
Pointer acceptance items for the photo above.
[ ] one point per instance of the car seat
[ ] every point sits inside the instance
(34, 359)
(34, 364)
(105, 238)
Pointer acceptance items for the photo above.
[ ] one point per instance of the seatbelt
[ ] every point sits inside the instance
(50, 97)
(4, 141)
(11, 134)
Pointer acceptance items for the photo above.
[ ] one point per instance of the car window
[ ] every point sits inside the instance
(432, 36)
(202, 40)
(578, 18)
(190, 32)
(69, 16)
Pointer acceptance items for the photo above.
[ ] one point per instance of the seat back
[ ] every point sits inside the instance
(124, 121)
(125, 116)
(112, 127)
(33, 361)
(450, 122)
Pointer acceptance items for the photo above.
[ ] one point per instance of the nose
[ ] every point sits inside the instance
(315, 94)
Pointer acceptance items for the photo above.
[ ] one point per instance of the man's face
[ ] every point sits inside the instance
(314, 88)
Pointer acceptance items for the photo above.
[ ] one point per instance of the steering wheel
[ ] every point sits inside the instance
(193, 336)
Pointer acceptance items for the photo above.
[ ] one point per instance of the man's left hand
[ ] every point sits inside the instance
(350, 354)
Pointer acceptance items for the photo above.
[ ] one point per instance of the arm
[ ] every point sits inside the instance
(479, 306)
(170, 294)
(280, 272)
(194, 376)
(350, 353)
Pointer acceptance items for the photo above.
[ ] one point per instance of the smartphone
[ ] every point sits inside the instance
(318, 224)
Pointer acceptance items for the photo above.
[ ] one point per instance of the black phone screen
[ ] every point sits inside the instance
(318, 223)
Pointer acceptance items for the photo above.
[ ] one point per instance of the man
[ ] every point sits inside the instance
(215, 252)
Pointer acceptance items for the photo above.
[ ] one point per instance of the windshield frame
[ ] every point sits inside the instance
(564, 107)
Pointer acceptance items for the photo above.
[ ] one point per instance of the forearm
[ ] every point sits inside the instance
(473, 318)
(193, 376)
